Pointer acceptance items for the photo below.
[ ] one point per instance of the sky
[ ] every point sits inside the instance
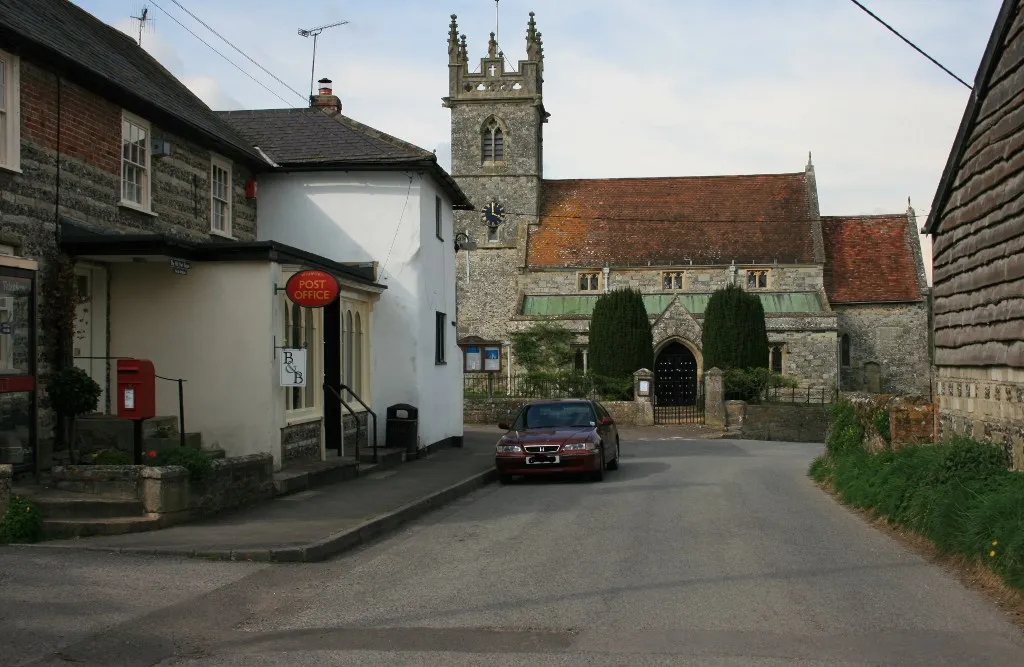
(639, 88)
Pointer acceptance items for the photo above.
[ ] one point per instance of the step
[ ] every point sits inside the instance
(88, 508)
(386, 457)
(313, 474)
(61, 529)
(109, 432)
(194, 440)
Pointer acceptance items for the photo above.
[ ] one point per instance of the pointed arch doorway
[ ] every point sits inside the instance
(677, 398)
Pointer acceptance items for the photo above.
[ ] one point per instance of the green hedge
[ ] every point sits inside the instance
(959, 494)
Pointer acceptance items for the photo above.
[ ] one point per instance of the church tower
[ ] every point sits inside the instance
(497, 116)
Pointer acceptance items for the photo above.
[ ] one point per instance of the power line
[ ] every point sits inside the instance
(244, 54)
(914, 46)
(233, 63)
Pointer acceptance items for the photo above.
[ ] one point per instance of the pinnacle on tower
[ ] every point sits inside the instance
(453, 42)
(533, 45)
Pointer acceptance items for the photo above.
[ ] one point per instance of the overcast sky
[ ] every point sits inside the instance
(638, 88)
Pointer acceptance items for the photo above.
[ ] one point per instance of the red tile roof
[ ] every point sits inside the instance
(664, 221)
(869, 259)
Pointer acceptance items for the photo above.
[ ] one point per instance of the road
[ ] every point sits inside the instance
(705, 552)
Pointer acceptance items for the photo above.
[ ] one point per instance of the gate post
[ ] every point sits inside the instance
(714, 398)
(643, 389)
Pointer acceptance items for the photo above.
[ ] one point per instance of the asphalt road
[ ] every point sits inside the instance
(706, 552)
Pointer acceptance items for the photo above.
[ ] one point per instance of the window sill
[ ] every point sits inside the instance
(223, 235)
(136, 208)
(11, 170)
(440, 363)
(304, 417)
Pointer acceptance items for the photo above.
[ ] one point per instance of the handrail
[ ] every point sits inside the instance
(341, 451)
(371, 412)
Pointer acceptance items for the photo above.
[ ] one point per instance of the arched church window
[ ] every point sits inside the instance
(494, 142)
(844, 350)
(776, 359)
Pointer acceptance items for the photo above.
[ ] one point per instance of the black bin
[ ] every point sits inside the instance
(402, 427)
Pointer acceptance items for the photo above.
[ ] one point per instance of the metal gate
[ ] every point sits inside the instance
(680, 414)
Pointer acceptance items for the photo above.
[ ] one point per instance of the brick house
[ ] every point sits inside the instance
(977, 226)
(845, 298)
(108, 159)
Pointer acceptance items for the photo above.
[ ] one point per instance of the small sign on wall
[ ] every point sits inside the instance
(645, 388)
(293, 367)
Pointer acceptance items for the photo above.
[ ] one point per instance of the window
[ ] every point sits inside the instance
(579, 360)
(357, 369)
(844, 349)
(301, 326)
(776, 359)
(590, 282)
(493, 235)
(220, 196)
(10, 112)
(757, 279)
(135, 176)
(672, 280)
(439, 337)
(438, 224)
(348, 330)
(494, 142)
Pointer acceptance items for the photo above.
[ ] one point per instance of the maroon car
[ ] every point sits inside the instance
(560, 436)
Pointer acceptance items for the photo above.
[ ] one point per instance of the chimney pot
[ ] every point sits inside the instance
(325, 86)
(325, 99)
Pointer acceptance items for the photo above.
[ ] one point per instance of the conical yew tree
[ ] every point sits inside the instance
(734, 333)
(620, 335)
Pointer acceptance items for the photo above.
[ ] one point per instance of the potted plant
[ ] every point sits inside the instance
(71, 393)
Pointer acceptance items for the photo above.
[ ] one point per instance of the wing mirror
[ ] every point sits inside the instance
(504, 426)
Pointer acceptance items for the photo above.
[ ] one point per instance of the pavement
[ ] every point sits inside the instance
(695, 552)
(322, 522)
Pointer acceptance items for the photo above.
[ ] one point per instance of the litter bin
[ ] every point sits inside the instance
(402, 428)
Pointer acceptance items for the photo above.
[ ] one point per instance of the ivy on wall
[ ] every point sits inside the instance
(58, 303)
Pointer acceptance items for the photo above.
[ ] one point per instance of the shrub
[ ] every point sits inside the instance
(111, 457)
(621, 342)
(544, 347)
(734, 334)
(194, 460)
(751, 384)
(880, 420)
(845, 434)
(22, 523)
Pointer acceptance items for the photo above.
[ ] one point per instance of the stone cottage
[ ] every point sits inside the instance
(977, 225)
(845, 298)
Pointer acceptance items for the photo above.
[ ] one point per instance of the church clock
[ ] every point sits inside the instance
(493, 214)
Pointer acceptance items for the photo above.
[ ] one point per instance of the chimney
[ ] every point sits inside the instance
(325, 99)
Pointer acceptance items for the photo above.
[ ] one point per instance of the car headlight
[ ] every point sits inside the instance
(577, 446)
(509, 449)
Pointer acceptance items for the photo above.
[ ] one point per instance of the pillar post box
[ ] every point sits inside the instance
(136, 396)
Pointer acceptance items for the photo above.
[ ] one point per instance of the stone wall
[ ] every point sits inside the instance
(911, 423)
(986, 404)
(235, 482)
(894, 336)
(112, 481)
(492, 411)
(780, 422)
(807, 356)
(301, 442)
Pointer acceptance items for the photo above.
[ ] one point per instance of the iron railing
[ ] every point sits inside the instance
(494, 385)
(807, 395)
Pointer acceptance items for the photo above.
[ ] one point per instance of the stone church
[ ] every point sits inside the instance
(845, 298)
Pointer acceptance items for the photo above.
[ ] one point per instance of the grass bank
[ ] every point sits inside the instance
(959, 494)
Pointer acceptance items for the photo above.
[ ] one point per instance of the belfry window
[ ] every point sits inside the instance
(494, 142)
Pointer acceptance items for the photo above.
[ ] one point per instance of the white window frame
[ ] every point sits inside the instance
(10, 116)
(218, 162)
(356, 370)
(146, 206)
(589, 289)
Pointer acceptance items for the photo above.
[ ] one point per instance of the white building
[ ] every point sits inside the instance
(353, 194)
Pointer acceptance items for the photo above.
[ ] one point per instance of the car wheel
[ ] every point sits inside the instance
(598, 474)
(614, 463)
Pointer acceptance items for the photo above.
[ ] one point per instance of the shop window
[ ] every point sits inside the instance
(302, 326)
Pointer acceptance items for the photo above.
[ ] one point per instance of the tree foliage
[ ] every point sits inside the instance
(544, 347)
(734, 334)
(620, 335)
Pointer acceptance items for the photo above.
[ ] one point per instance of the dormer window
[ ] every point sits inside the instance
(494, 142)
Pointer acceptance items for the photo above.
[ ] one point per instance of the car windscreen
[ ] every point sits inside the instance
(555, 415)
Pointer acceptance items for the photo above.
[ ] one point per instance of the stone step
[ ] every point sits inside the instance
(88, 508)
(109, 432)
(62, 529)
(386, 457)
(312, 474)
(194, 440)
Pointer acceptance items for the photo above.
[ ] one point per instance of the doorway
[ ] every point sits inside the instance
(675, 376)
(333, 415)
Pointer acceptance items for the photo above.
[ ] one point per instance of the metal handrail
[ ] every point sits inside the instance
(372, 414)
(341, 450)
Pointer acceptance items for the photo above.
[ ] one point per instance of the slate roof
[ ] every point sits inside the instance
(869, 259)
(113, 65)
(312, 138)
(673, 221)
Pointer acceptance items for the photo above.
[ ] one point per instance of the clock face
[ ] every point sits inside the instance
(494, 214)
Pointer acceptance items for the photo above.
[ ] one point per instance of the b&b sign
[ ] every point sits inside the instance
(293, 367)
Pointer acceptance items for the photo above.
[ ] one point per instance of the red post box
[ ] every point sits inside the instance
(136, 389)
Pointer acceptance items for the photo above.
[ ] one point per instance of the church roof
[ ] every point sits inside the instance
(870, 258)
(666, 221)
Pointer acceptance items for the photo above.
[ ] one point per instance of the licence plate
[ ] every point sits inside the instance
(534, 460)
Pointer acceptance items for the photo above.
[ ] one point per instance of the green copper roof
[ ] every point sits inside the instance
(583, 304)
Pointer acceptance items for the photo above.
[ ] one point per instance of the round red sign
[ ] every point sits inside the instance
(312, 289)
